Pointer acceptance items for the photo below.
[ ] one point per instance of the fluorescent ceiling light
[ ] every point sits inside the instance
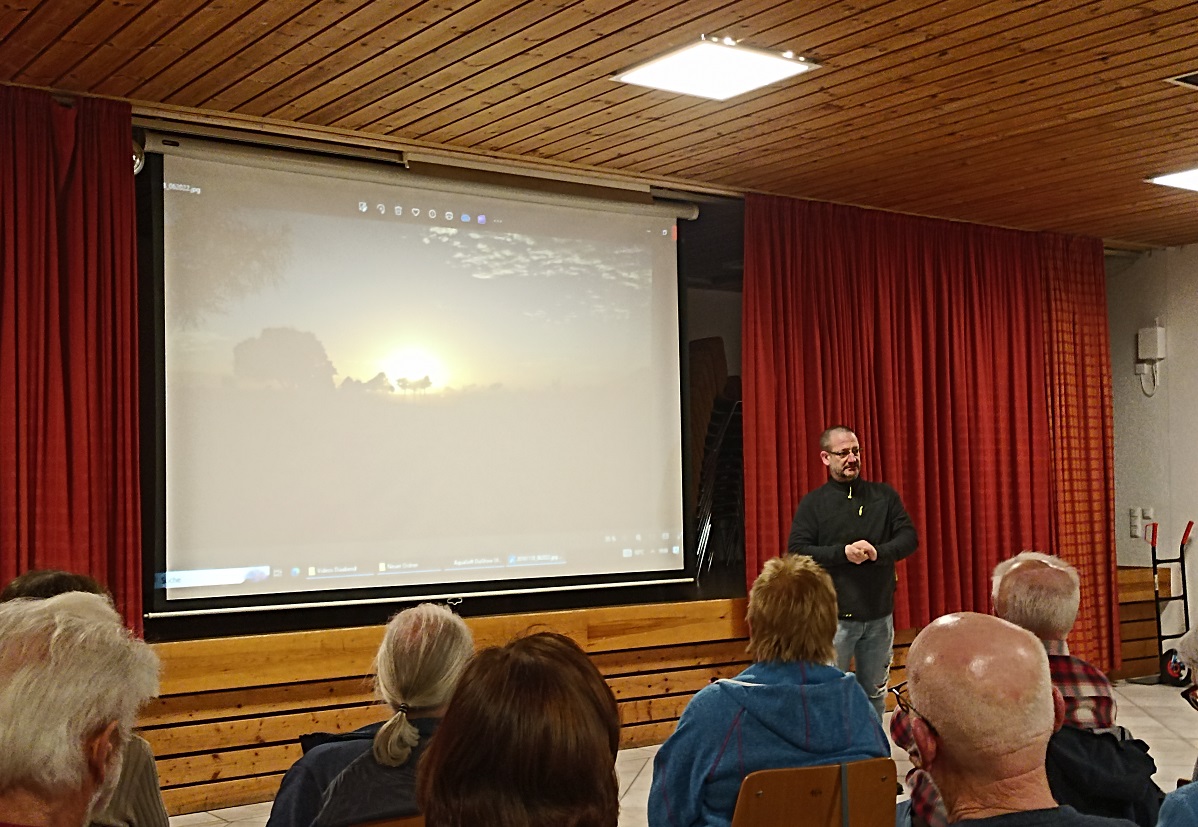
(715, 69)
(1187, 180)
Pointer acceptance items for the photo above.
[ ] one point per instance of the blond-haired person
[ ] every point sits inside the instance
(790, 708)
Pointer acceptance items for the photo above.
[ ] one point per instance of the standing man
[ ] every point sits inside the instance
(857, 530)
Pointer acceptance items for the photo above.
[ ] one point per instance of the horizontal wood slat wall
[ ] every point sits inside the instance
(232, 709)
(1137, 620)
(226, 727)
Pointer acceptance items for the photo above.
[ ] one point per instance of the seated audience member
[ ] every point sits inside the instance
(1042, 593)
(370, 773)
(790, 708)
(982, 709)
(72, 678)
(529, 740)
(137, 800)
(1180, 807)
(1093, 765)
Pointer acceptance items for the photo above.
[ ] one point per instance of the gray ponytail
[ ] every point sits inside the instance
(423, 653)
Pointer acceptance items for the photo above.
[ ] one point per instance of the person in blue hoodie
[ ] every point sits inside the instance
(790, 708)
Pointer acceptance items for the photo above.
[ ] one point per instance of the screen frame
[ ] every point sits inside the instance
(206, 617)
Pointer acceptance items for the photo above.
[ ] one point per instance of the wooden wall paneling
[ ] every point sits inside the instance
(96, 25)
(883, 39)
(374, 31)
(578, 101)
(310, 43)
(645, 39)
(510, 49)
(18, 13)
(214, 765)
(580, 110)
(672, 657)
(1103, 138)
(236, 706)
(646, 710)
(855, 98)
(409, 44)
(961, 88)
(242, 33)
(981, 109)
(260, 729)
(39, 26)
(172, 45)
(107, 56)
(217, 795)
(1137, 620)
(516, 77)
(180, 709)
(478, 32)
(226, 663)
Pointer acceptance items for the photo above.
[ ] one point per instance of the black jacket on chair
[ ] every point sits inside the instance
(1098, 774)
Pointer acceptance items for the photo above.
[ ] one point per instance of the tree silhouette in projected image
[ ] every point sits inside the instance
(283, 357)
(417, 385)
(215, 259)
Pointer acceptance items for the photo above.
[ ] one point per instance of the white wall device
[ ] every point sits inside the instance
(1150, 344)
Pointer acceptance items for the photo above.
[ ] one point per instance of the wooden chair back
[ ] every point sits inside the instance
(856, 794)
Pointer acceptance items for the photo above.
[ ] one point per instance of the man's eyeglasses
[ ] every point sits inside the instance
(842, 454)
(899, 691)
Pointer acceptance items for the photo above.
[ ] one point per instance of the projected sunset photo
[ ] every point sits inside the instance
(363, 394)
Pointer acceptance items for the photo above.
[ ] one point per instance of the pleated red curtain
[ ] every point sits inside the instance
(931, 339)
(69, 489)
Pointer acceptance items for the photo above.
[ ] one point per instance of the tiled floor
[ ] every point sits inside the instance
(1155, 714)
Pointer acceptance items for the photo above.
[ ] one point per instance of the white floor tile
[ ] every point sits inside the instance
(196, 820)
(246, 812)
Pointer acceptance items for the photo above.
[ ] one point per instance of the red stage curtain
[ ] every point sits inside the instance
(1082, 433)
(69, 488)
(931, 339)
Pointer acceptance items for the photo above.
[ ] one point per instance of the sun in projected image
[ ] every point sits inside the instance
(410, 367)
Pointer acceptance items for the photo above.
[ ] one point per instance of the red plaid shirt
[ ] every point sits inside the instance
(1089, 698)
(1089, 704)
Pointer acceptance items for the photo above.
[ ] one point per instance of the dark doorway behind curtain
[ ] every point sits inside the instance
(949, 348)
(68, 343)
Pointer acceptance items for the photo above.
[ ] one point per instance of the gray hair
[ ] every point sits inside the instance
(68, 668)
(423, 653)
(1045, 606)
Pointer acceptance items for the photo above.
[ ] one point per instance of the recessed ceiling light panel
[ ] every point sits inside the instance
(715, 69)
(1187, 180)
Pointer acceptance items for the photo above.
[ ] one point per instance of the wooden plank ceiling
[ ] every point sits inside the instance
(1036, 114)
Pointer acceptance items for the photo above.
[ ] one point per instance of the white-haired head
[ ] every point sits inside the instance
(1039, 592)
(68, 669)
(423, 653)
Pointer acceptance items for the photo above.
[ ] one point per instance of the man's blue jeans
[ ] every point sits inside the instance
(870, 643)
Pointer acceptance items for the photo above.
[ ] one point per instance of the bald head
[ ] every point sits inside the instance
(1039, 592)
(984, 685)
